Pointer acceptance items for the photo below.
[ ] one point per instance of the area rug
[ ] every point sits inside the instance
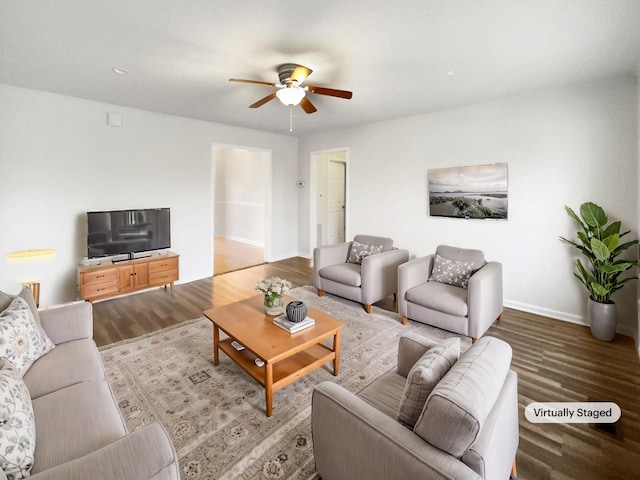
(216, 415)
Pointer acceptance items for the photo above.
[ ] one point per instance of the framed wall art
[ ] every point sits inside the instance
(475, 191)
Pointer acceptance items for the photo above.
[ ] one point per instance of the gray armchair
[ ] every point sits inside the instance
(469, 309)
(336, 271)
(467, 428)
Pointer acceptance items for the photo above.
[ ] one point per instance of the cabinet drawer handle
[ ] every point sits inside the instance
(101, 289)
(99, 276)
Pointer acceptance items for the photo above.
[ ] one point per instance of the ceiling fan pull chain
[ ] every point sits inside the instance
(290, 119)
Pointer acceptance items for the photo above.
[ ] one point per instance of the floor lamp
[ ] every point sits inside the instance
(29, 267)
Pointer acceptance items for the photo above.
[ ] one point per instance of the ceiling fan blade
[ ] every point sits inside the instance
(332, 92)
(264, 100)
(307, 106)
(256, 82)
(300, 74)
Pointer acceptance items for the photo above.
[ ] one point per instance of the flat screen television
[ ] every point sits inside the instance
(120, 232)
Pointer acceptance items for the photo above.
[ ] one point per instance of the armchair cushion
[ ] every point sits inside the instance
(344, 273)
(476, 257)
(424, 376)
(452, 272)
(440, 297)
(387, 243)
(360, 250)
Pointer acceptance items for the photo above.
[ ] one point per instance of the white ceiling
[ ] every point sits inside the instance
(394, 56)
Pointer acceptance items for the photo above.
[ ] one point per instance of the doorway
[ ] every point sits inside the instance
(241, 207)
(328, 203)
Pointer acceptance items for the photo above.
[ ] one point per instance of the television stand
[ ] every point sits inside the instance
(118, 277)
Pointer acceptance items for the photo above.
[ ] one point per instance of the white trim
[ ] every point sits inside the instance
(243, 240)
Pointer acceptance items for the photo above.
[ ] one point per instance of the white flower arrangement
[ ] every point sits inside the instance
(273, 287)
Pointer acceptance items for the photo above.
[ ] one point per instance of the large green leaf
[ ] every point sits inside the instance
(593, 215)
(611, 241)
(599, 290)
(612, 229)
(600, 250)
(616, 267)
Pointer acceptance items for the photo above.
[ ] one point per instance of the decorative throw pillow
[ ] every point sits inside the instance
(360, 250)
(452, 272)
(424, 376)
(17, 424)
(22, 342)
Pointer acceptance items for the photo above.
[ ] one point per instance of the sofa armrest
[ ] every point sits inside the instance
(411, 274)
(68, 322)
(351, 439)
(411, 347)
(485, 298)
(380, 274)
(144, 454)
(328, 255)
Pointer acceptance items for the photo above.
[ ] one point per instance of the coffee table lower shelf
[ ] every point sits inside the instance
(283, 372)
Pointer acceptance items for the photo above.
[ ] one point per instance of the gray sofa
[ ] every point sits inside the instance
(80, 433)
(467, 428)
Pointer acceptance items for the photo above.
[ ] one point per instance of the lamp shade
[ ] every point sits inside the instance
(41, 254)
(290, 95)
(29, 265)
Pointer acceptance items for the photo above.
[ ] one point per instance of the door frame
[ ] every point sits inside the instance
(315, 156)
(267, 193)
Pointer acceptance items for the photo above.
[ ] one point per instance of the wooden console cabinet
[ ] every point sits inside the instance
(107, 279)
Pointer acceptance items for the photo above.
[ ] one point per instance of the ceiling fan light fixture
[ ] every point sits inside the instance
(290, 95)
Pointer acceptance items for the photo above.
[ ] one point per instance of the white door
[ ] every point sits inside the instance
(335, 202)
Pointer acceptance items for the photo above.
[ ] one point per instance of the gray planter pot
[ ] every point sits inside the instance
(603, 320)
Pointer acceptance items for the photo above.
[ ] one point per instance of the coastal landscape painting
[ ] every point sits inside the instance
(476, 191)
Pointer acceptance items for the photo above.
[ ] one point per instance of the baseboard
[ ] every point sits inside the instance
(244, 240)
(565, 317)
(547, 312)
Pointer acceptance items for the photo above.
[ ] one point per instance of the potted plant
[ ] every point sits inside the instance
(600, 244)
(274, 289)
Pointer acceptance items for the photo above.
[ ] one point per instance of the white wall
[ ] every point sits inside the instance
(563, 146)
(240, 189)
(59, 159)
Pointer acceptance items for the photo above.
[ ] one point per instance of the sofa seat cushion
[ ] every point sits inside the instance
(440, 297)
(385, 392)
(424, 376)
(80, 362)
(344, 273)
(459, 405)
(74, 422)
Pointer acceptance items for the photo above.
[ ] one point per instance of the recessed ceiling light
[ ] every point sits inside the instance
(451, 72)
(120, 71)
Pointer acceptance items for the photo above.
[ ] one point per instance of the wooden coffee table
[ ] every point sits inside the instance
(286, 356)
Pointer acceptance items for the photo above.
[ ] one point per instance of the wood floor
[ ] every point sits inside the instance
(231, 255)
(555, 361)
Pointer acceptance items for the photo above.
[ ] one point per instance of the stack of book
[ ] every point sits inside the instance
(283, 322)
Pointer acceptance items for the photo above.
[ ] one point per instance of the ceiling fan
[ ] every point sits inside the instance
(291, 91)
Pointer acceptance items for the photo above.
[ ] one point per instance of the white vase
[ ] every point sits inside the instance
(603, 320)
